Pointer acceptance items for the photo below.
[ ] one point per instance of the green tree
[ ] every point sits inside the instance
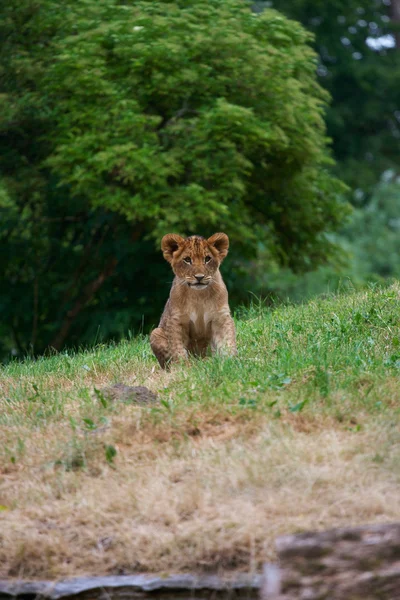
(374, 231)
(359, 64)
(370, 242)
(121, 122)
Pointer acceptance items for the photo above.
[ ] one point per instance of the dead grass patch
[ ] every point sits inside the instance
(215, 502)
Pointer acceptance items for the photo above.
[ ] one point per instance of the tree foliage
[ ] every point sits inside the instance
(123, 121)
(357, 42)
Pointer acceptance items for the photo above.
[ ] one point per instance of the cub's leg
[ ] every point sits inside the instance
(223, 340)
(177, 338)
(159, 345)
(167, 344)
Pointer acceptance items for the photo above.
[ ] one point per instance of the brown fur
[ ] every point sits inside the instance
(197, 313)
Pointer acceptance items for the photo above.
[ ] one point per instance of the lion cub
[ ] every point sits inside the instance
(197, 313)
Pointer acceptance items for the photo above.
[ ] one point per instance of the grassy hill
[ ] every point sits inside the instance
(301, 431)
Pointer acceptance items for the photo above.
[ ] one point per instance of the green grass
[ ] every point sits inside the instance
(301, 430)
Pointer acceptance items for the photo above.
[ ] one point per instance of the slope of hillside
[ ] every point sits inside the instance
(301, 431)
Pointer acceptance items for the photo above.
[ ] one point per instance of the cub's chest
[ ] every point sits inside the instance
(199, 323)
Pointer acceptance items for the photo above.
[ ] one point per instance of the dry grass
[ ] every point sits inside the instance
(287, 438)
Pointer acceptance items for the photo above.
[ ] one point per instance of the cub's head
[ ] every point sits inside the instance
(195, 260)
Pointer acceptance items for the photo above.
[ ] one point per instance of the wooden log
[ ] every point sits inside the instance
(361, 563)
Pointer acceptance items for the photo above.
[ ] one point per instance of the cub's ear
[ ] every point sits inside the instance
(220, 241)
(169, 244)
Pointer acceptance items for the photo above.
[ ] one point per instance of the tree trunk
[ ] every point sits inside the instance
(87, 294)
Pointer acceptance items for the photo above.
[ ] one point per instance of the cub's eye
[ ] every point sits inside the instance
(207, 259)
(187, 260)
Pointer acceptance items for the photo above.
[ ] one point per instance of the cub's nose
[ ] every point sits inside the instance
(199, 277)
